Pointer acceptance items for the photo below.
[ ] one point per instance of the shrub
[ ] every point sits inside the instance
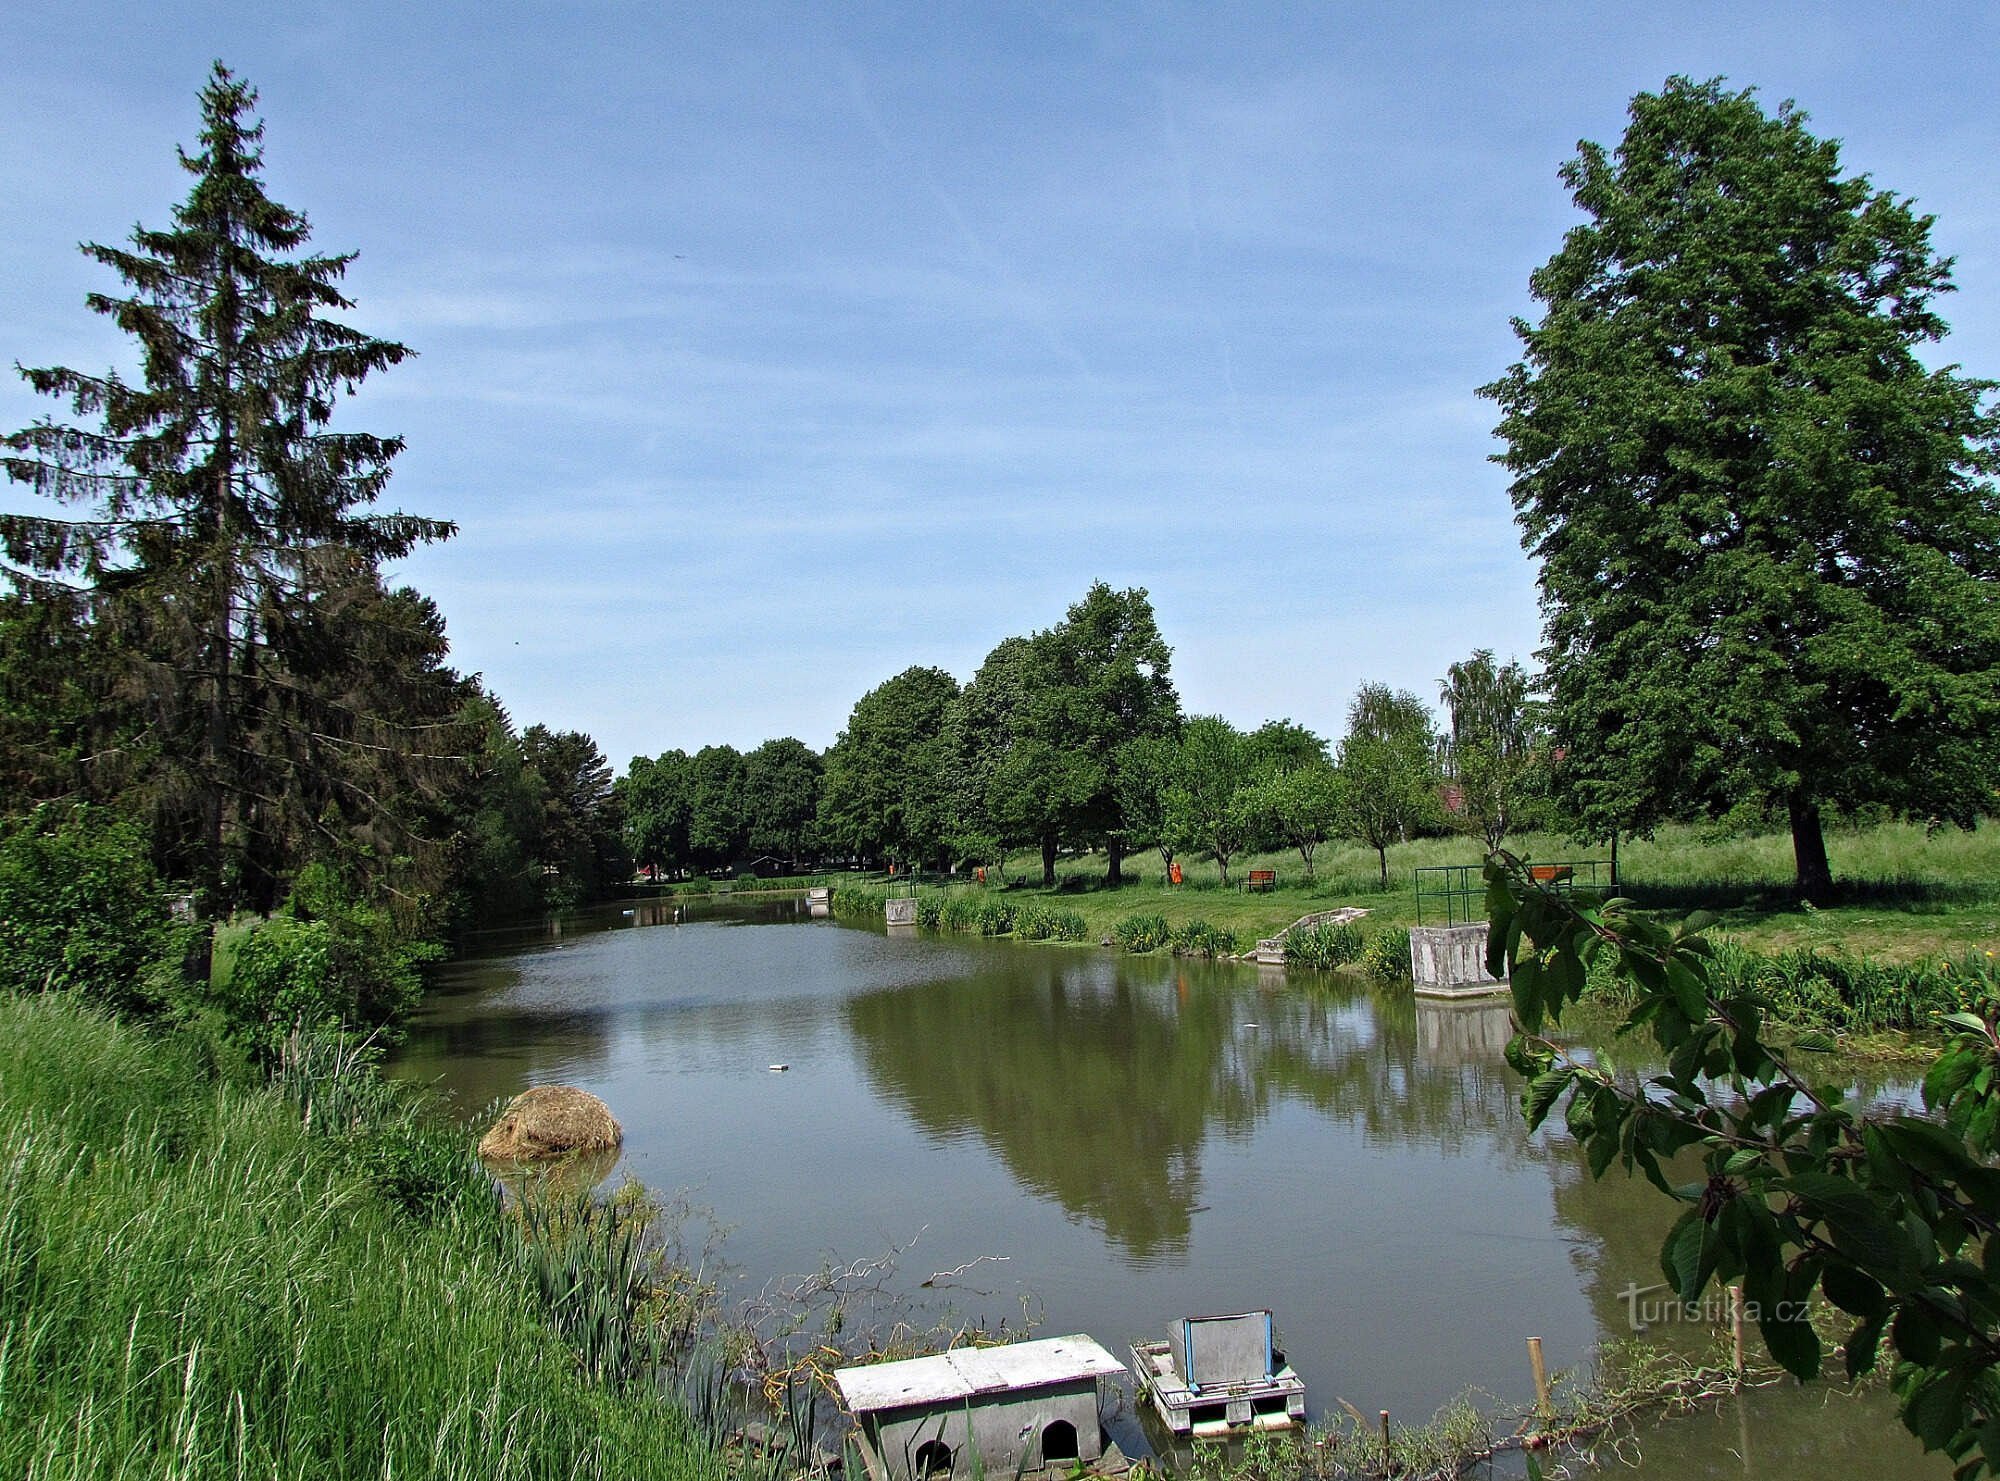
(1141, 932)
(1386, 957)
(1199, 938)
(1323, 944)
(325, 961)
(930, 911)
(81, 910)
(1069, 925)
(960, 913)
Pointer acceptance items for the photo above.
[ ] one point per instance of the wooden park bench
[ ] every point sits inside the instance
(1263, 879)
(1551, 874)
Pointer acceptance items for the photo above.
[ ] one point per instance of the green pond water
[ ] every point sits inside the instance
(1107, 1143)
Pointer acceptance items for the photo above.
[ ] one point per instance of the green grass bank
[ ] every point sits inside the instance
(1904, 894)
(197, 1279)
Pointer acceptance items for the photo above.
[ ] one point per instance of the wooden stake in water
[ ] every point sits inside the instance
(1541, 1376)
(1385, 1437)
(1736, 1327)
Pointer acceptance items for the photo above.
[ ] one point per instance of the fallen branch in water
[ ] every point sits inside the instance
(938, 1275)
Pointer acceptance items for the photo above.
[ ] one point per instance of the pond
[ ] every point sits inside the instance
(1100, 1143)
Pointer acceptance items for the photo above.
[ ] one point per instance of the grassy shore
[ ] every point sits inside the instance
(196, 1281)
(1903, 895)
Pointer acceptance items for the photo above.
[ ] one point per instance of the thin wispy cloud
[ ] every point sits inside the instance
(766, 351)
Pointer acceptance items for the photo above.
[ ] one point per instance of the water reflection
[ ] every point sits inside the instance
(1140, 1138)
(1096, 1090)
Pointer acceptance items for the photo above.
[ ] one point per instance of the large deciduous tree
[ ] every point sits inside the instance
(884, 793)
(656, 805)
(1099, 679)
(226, 535)
(1209, 803)
(1767, 538)
(1388, 769)
(781, 786)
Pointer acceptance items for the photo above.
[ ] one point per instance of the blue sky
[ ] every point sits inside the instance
(767, 350)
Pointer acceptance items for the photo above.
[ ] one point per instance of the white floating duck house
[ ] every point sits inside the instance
(1019, 1409)
(1220, 1375)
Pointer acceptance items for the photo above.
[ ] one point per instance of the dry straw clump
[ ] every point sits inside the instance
(551, 1121)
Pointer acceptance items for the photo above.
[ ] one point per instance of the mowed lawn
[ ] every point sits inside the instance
(1904, 894)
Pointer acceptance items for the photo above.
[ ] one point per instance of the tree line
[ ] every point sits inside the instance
(1073, 739)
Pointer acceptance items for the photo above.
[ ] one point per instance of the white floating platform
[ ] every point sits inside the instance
(1219, 1376)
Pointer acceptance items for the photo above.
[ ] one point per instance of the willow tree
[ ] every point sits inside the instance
(219, 518)
(1767, 537)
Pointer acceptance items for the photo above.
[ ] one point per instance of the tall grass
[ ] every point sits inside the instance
(1324, 944)
(194, 1281)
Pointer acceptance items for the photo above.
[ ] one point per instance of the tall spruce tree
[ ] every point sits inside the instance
(1767, 535)
(225, 524)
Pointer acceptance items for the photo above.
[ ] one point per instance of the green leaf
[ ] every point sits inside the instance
(1792, 1342)
(1852, 1291)
(1936, 1412)
(1862, 1344)
(1526, 988)
(1690, 992)
(1860, 1228)
(1681, 1256)
(1543, 1092)
(1915, 1333)
(1926, 1146)
(1813, 1041)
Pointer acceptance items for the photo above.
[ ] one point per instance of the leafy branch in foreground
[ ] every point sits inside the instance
(1888, 1216)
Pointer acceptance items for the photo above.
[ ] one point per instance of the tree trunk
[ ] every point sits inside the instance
(1114, 852)
(1815, 876)
(1049, 861)
(1382, 853)
(1614, 861)
(1223, 861)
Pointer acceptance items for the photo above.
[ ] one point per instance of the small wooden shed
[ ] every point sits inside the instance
(1021, 1408)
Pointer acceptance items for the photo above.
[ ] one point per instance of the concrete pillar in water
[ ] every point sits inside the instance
(1450, 962)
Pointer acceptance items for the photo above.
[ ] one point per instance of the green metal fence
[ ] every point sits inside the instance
(1458, 891)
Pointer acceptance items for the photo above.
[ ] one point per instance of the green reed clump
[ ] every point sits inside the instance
(1137, 933)
(1034, 922)
(994, 917)
(858, 901)
(1070, 925)
(930, 911)
(1323, 944)
(1828, 989)
(195, 1280)
(1386, 956)
(1199, 938)
(960, 913)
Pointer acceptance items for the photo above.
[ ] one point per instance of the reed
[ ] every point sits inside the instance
(195, 1280)
(1323, 944)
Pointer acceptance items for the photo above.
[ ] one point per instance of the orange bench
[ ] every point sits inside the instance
(1263, 879)
(1547, 874)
